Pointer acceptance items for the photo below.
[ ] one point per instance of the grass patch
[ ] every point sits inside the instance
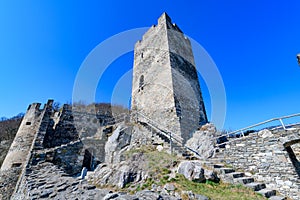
(216, 191)
(158, 165)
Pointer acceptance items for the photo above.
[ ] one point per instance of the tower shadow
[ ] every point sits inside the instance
(293, 156)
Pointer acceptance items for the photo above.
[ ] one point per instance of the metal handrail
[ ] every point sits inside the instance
(167, 133)
(164, 131)
(267, 121)
(255, 125)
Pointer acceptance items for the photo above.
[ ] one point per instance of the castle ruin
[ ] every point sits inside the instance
(52, 147)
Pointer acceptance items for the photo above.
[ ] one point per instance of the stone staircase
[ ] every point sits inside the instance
(229, 175)
(159, 138)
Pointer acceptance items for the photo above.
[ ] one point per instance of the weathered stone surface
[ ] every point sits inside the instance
(192, 170)
(268, 158)
(120, 138)
(211, 176)
(131, 170)
(62, 132)
(193, 196)
(265, 133)
(148, 195)
(110, 196)
(202, 141)
(8, 180)
(165, 84)
(169, 187)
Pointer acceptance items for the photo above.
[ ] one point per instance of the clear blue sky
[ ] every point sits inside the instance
(253, 43)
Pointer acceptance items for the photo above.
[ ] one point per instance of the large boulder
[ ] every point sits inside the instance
(193, 196)
(210, 175)
(203, 141)
(119, 168)
(129, 171)
(191, 170)
(120, 139)
(265, 133)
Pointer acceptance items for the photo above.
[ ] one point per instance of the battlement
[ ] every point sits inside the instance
(164, 23)
(165, 19)
(20, 148)
(35, 106)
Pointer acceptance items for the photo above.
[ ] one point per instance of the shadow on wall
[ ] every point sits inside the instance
(89, 161)
(292, 155)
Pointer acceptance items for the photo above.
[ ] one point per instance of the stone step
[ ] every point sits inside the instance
(256, 186)
(267, 192)
(186, 154)
(277, 198)
(156, 142)
(218, 166)
(244, 180)
(236, 174)
(225, 170)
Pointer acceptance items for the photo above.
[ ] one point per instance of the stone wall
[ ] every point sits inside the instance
(62, 132)
(265, 155)
(70, 141)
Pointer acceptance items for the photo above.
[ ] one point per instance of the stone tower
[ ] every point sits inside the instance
(165, 84)
(20, 149)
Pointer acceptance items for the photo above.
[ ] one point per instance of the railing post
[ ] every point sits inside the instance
(283, 126)
(243, 133)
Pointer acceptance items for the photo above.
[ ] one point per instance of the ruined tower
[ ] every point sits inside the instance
(19, 151)
(165, 84)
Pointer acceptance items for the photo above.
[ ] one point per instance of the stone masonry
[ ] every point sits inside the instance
(70, 140)
(269, 156)
(165, 84)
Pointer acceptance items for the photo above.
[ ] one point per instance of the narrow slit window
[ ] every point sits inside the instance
(141, 84)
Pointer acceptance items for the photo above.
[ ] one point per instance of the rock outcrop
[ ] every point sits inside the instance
(117, 142)
(130, 171)
(194, 171)
(202, 141)
(119, 168)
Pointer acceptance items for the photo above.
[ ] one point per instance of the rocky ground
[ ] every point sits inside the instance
(47, 181)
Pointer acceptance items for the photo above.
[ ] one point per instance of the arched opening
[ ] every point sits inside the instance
(88, 160)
